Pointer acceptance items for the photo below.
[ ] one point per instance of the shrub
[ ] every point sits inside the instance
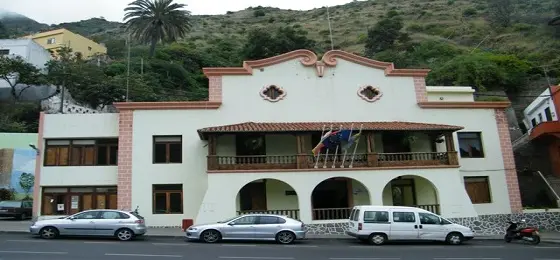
(469, 12)
(6, 194)
(258, 13)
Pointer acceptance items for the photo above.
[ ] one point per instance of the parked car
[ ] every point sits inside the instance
(281, 229)
(100, 223)
(379, 224)
(18, 209)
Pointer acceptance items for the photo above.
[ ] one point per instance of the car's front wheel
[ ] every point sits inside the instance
(454, 238)
(48, 232)
(211, 236)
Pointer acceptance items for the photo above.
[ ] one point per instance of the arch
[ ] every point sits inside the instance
(412, 190)
(334, 198)
(267, 195)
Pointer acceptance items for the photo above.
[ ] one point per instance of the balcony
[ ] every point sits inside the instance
(287, 146)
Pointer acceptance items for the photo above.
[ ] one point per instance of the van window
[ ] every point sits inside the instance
(356, 216)
(445, 222)
(404, 217)
(429, 219)
(376, 217)
(352, 214)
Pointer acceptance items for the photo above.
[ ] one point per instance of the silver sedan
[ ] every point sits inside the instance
(109, 223)
(277, 228)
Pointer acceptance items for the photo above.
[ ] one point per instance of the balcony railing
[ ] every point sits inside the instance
(306, 161)
(344, 213)
(292, 213)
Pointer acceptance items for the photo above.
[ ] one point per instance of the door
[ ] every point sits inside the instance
(101, 201)
(87, 202)
(268, 226)
(253, 196)
(404, 225)
(431, 227)
(109, 222)
(241, 228)
(82, 224)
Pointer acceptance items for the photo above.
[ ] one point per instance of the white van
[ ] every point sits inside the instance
(378, 224)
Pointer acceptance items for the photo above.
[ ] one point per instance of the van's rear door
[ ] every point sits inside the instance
(354, 220)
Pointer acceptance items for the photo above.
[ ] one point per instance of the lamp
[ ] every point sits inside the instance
(34, 148)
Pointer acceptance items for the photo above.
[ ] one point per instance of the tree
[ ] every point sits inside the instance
(26, 182)
(262, 44)
(3, 32)
(384, 35)
(153, 21)
(500, 12)
(20, 75)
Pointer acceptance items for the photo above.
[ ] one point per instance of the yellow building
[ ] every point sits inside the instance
(53, 40)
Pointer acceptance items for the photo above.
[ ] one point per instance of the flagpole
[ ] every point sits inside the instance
(327, 153)
(346, 150)
(336, 151)
(319, 154)
(356, 147)
(128, 67)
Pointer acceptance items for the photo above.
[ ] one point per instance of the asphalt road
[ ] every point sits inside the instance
(25, 247)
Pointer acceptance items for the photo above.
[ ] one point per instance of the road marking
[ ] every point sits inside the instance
(547, 247)
(170, 244)
(255, 257)
(142, 255)
(32, 252)
(296, 246)
(240, 245)
(546, 259)
(29, 241)
(467, 258)
(366, 258)
(101, 242)
(487, 246)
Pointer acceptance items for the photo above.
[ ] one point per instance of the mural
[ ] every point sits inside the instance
(17, 171)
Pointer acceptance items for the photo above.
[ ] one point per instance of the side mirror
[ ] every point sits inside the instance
(231, 223)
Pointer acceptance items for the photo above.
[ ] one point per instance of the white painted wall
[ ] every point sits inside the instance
(28, 50)
(79, 176)
(537, 107)
(81, 125)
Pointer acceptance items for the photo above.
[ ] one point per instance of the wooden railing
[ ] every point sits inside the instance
(434, 208)
(292, 213)
(306, 161)
(331, 214)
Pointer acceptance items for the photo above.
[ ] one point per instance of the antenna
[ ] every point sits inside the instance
(330, 27)
(128, 67)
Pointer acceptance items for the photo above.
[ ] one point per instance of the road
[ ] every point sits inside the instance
(24, 247)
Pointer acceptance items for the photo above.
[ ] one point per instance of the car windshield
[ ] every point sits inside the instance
(14, 204)
(227, 220)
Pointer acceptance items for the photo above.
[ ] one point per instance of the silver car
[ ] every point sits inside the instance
(277, 228)
(100, 223)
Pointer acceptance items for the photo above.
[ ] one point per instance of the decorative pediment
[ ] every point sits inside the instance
(272, 93)
(369, 93)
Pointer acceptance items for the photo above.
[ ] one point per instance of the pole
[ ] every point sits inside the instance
(330, 27)
(128, 68)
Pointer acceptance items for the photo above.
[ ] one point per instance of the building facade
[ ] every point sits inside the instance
(55, 39)
(248, 149)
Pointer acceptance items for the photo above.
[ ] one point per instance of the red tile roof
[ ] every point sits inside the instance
(318, 126)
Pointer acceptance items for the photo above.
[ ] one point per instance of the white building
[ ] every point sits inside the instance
(249, 147)
(542, 109)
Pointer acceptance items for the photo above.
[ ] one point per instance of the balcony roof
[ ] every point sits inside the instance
(261, 127)
(550, 128)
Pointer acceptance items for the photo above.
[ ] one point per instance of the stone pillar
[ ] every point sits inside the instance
(124, 168)
(215, 88)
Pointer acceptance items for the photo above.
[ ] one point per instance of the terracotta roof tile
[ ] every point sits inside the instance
(318, 126)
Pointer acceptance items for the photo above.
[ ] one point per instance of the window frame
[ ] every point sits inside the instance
(488, 188)
(407, 212)
(375, 214)
(167, 193)
(51, 40)
(480, 140)
(106, 143)
(167, 148)
(4, 52)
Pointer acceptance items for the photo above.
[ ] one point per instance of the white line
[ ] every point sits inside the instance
(487, 246)
(240, 245)
(31, 252)
(467, 258)
(178, 256)
(367, 258)
(255, 257)
(169, 244)
(25, 241)
(547, 247)
(296, 246)
(546, 259)
(100, 242)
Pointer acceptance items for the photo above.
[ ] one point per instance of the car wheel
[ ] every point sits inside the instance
(285, 237)
(124, 234)
(48, 232)
(211, 236)
(22, 216)
(377, 239)
(454, 238)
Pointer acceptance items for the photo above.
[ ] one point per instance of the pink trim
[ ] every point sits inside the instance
(124, 172)
(265, 97)
(215, 88)
(509, 163)
(420, 89)
(38, 163)
(364, 97)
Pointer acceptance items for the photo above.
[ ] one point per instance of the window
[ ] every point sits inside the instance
(71, 200)
(168, 149)
(540, 118)
(355, 215)
(247, 220)
(168, 198)
(89, 48)
(478, 189)
(404, 217)
(548, 114)
(87, 215)
(534, 122)
(369, 93)
(81, 152)
(51, 41)
(113, 215)
(273, 93)
(376, 217)
(264, 220)
(4, 52)
(470, 145)
(429, 219)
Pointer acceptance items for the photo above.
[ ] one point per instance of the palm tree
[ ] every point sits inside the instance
(153, 21)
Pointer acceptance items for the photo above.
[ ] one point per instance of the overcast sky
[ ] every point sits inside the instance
(58, 11)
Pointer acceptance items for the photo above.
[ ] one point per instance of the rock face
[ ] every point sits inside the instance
(482, 225)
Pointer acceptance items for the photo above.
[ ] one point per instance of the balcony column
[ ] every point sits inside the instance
(301, 156)
(451, 152)
(212, 158)
(372, 156)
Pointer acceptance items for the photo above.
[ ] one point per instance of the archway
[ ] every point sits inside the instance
(413, 191)
(270, 196)
(334, 198)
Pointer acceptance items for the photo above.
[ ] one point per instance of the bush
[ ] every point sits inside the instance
(6, 194)
(258, 13)
(469, 12)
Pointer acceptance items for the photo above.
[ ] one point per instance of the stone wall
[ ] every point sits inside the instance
(483, 225)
